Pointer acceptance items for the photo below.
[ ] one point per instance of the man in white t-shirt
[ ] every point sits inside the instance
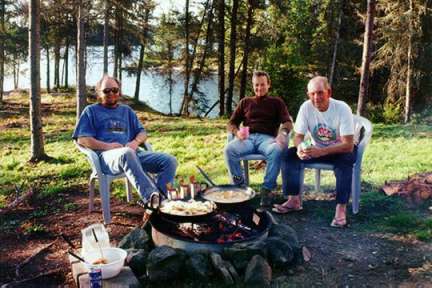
(330, 125)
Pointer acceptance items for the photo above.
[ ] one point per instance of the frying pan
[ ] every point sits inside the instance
(155, 204)
(213, 188)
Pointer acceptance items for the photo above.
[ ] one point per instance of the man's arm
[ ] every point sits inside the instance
(94, 144)
(346, 146)
(140, 138)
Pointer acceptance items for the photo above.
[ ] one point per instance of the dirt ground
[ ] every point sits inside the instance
(340, 257)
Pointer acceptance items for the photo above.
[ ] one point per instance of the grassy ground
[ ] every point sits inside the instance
(396, 151)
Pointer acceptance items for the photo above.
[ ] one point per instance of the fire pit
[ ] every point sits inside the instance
(223, 229)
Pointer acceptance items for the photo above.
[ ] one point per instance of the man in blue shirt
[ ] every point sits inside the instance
(115, 133)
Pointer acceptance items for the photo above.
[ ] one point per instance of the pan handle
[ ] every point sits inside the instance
(206, 177)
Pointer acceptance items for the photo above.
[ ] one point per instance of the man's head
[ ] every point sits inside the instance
(261, 83)
(108, 90)
(319, 92)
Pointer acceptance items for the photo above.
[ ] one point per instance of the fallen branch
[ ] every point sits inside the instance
(28, 259)
(17, 201)
(31, 280)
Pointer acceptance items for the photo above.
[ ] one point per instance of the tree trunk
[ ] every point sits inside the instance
(81, 83)
(48, 87)
(408, 91)
(138, 73)
(336, 43)
(367, 53)
(221, 56)
(37, 143)
(105, 38)
(184, 108)
(2, 47)
(243, 79)
(233, 43)
(197, 75)
(57, 66)
(141, 57)
(170, 76)
(66, 63)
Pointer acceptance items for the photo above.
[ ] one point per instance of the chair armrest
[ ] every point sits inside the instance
(92, 157)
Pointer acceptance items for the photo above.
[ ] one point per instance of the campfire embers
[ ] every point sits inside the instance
(221, 230)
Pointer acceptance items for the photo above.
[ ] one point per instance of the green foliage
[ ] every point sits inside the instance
(35, 229)
(70, 207)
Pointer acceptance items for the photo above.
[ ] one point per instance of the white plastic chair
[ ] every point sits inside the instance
(363, 135)
(104, 182)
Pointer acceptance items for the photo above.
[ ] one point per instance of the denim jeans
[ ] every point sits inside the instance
(256, 143)
(343, 169)
(135, 165)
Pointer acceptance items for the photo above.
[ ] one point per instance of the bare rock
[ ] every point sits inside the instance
(164, 263)
(258, 273)
(137, 239)
(280, 252)
(198, 266)
(286, 233)
(225, 269)
(137, 261)
(240, 254)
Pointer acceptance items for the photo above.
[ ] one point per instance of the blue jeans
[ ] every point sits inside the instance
(256, 143)
(135, 165)
(343, 169)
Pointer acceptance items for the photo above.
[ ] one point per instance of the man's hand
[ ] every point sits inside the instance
(302, 153)
(313, 152)
(114, 145)
(281, 140)
(240, 135)
(133, 145)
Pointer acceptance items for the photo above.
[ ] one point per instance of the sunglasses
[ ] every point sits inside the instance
(114, 90)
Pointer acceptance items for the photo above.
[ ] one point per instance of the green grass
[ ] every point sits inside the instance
(395, 152)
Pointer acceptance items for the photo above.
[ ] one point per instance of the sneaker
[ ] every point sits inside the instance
(266, 198)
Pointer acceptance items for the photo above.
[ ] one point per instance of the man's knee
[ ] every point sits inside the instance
(171, 162)
(127, 154)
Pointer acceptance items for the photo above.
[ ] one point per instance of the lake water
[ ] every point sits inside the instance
(154, 90)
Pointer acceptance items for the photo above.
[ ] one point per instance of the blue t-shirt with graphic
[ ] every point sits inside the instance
(109, 125)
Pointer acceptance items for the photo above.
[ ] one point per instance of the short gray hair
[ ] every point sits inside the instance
(322, 79)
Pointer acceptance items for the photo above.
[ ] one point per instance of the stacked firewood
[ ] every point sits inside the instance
(416, 188)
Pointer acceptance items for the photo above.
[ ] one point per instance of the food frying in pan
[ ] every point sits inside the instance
(228, 196)
(187, 208)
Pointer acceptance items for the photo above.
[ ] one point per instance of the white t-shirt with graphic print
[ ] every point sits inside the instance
(327, 127)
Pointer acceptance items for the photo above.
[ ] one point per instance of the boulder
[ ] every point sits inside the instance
(137, 261)
(286, 233)
(258, 273)
(280, 252)
(137, 239)
(164, 263)
(225, 269)
(240, 254)
(198, 266)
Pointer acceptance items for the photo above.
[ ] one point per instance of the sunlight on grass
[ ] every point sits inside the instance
(395, 152)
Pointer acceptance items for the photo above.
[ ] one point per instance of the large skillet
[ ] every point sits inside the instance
(213, 188)
(155, 204)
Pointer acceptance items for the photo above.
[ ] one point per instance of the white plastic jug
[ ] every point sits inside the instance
(89, 243)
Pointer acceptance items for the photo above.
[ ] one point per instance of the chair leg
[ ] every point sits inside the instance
(246, 171)
(301, 179)
(356, 189)
(105, 199)
(128, 190)
(317, 180)
(91, 193)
